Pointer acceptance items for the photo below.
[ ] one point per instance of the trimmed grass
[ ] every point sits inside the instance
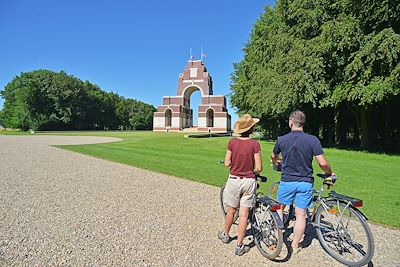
(13, 132)
(371, 177)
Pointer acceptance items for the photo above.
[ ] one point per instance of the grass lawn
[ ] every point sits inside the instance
(371, 177)
(13, 132)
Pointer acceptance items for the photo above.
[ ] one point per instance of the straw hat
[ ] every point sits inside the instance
(244, 123)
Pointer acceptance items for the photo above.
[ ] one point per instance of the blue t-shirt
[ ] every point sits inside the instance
(298, 149)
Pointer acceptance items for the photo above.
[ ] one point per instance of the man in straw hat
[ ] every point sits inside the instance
(243, 157)
(298, 149)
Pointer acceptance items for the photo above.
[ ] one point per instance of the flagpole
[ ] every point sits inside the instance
(201, 54)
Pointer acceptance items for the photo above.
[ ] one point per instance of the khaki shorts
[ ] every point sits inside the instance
(240, 192)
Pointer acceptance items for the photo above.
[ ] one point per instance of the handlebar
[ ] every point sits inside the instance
(277, 167)
(324, 176)
(261, 178)
(328, 179)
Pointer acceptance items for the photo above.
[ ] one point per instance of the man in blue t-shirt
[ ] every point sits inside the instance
(298, 149)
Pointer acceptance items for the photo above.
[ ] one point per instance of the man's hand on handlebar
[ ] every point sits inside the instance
(330, 179)
(276, 164)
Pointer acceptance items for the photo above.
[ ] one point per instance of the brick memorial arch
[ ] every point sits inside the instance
(175, 114)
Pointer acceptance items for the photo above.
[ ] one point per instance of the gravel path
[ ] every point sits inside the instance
(59, 208)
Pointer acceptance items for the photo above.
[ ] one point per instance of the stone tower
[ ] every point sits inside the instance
(175, 114)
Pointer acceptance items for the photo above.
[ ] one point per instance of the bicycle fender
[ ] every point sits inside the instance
(278, 220)
(354, 201)
(360, 213)
(270, 202)
(352, 207)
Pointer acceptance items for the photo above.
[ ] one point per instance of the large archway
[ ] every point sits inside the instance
(192, 96)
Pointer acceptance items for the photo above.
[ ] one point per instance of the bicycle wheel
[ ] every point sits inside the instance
(224, 207)
(288, 211)
(267, 236)
(344, 234)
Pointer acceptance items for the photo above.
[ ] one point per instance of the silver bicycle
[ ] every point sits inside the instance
(266, 225)
(342, 229)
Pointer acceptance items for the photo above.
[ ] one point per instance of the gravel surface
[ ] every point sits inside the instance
(59, 208)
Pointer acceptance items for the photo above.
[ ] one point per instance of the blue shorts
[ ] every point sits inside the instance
(298, 192)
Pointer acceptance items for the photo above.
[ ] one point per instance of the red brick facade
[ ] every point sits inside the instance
(175, 114)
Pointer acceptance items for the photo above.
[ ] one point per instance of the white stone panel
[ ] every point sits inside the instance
(193, 81)
(159, 122)
(202, 122)
(176, 122)
(220, 122)
(193, 72)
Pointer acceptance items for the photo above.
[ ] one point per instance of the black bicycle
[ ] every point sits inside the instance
(266, 225)
(342, 229)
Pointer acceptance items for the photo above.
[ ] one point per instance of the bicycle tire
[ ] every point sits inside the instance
(288, 211)
(339, 242)
(266, 232)
(224, 207)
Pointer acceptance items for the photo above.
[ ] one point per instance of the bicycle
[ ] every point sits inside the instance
(341, 228)
(266, 225)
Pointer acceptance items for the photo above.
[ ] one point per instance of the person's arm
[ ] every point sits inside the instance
(274, 158)
(318, 153)
(257, 163)
(228, 158)
(275, 153)
(324, 165)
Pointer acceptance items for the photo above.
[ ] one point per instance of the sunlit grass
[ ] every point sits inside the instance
(371, 177)
(13, 132)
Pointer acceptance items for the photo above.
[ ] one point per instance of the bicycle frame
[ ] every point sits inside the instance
(273, 206)
(267, 202)
(266, 224)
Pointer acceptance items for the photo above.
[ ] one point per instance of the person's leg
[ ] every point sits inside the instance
(285, 196)
(243, 216)
(231, 198)
(299, 227)
(230, 213)
(280, 211)
(303, 200)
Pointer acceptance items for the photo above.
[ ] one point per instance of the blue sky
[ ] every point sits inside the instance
(134, 48)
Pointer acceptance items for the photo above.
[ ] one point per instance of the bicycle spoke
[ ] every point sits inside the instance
(359, 247)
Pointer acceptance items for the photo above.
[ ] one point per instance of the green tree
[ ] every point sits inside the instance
(134, 114)
(46, 100)
(321, 55)
(41, 99)
(2, 119)
(141, 116)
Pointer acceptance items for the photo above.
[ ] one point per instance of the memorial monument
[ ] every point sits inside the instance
(175, 114)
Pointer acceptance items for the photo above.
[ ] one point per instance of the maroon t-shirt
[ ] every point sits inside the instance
(242, 161)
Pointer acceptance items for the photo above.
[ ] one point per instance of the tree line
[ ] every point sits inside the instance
(337, 60)
(47, 100)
